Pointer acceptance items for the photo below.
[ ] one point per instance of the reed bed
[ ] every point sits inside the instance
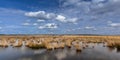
(55, 42)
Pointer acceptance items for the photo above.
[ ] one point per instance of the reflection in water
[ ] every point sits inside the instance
(25, 59)
(97, 53)
(118, 49)
(61, 55)
(111, 49)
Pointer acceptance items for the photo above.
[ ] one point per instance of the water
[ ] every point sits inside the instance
(98, 52)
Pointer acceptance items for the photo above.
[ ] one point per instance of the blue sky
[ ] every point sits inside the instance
(60, 17)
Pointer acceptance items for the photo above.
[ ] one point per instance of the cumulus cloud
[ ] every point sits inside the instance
(73, 20)
(64, 19)
(99, 11)
(42, 16)
(49, 26)
(92, 13)
(90, 6)
(61, 18)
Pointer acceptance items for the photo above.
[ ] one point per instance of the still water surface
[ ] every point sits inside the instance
(23, 53)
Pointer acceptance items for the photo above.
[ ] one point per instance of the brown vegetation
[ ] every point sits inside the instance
(58, 41)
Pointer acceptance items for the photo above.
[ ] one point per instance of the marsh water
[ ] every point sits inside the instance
(98, 52)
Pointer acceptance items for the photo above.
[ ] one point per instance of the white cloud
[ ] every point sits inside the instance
(64, 19)
(90, 28)
(110, 23)
(115, 24)
(90, 6)
(35, 24)
(73, 20)
(42, 16)
(39, 20)
(69, 2)
(61, 18)
(49, 26)
(26, 24)
(35, 14)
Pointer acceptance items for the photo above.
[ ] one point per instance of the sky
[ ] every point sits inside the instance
(60, 17)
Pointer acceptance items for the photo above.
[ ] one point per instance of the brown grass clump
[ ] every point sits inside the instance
(114, 44)
(78, 47)
(61, 45)
(68, 43)
(18, 44)
(4, 43)
(49, 46)
(35, 45)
